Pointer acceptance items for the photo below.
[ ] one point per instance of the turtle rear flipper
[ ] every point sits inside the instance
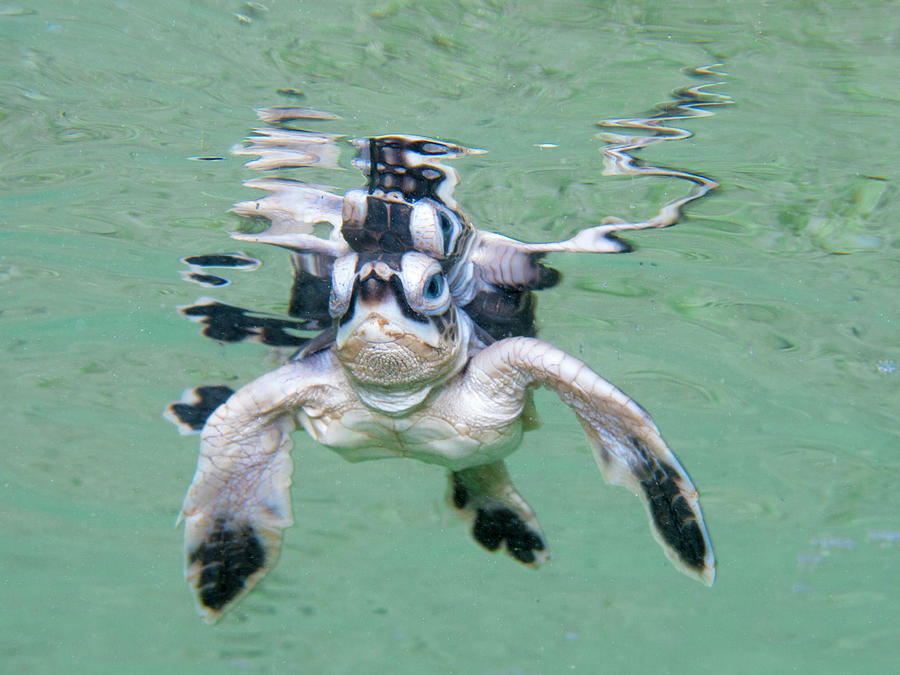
(485, 496)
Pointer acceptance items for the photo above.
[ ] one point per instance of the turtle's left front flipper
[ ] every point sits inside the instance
(239, 500)
(626, 443)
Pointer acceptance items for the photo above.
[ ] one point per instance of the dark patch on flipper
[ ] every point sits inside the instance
(195, 407)
(309, 297)
(221, 260)
(482, 334)
(319, 343)
(673, 516)
(227, 323)
(547, 277)
(624, 246)
(494, 525)
(206, 279)
(230, 554)
(197, 263)
(460, 493)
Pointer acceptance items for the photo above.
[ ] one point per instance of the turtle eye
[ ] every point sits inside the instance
(424, 285)
(448, 229)
(434, 287)
(433, 228)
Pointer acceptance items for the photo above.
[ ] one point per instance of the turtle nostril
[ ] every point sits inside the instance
(372, 290)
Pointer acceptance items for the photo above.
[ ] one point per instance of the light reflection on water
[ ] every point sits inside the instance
(760, 331)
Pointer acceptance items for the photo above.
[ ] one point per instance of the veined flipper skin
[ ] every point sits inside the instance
(239, 500)
(627, 445)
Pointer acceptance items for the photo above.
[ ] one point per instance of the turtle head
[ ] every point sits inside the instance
(399, 334)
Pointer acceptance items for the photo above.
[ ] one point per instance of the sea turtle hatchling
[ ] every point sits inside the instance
(407, 376)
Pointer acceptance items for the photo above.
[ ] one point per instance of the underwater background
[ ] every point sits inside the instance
(761, 332)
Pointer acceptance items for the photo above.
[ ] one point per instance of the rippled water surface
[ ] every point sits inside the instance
(761, 332)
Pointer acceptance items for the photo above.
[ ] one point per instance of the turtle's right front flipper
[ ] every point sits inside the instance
(239, 500)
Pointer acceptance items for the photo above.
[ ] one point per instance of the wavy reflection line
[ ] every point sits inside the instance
(618, 154)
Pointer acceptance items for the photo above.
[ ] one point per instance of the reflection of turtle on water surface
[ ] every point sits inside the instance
(423, 351)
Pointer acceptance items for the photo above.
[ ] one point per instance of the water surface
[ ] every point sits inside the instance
(761, 332)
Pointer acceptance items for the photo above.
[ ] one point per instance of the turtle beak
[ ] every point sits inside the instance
(372, 291)
(372, 314)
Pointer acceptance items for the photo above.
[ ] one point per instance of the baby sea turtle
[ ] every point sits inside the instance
(407, 376)
(424, 351)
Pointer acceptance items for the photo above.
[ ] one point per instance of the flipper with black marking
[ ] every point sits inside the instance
(485, 496)
(228, 323)
(190, 413)
(627, 445)
(239, 500)
(199, 264)
(311, 289)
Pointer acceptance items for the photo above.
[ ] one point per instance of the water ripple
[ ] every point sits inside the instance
(618, 155)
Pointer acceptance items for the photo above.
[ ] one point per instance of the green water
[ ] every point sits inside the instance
(761, 332)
